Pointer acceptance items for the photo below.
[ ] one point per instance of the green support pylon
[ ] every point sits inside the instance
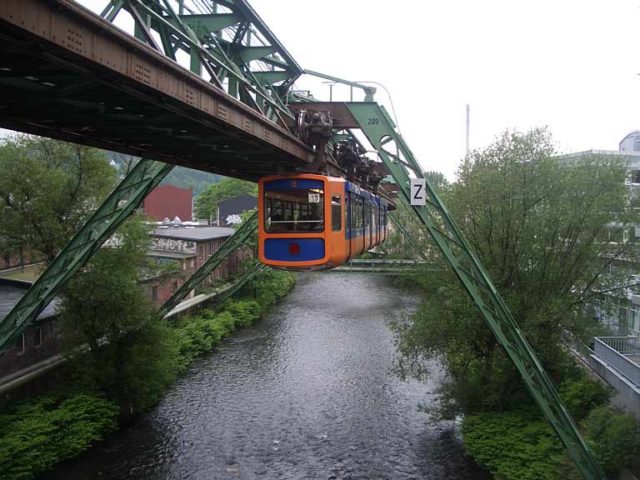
(232, 243)
(380, 131)
(246, 276)
(101, 225)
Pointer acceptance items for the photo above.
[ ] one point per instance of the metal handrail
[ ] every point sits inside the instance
(606, 349)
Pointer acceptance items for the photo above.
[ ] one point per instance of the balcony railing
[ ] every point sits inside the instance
(622, 354)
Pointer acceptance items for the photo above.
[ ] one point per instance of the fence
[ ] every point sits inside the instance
(622, 354)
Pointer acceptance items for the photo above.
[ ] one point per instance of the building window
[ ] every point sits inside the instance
(154, 293)
(37, 337)
(20, 345)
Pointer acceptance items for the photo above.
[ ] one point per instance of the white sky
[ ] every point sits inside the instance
(571, 65)
(568, 64)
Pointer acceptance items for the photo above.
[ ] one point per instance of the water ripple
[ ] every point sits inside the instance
(308, 393)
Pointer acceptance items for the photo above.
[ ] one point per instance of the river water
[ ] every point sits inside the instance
(307, 393)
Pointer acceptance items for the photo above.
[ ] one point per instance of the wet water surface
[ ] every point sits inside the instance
(308, 393)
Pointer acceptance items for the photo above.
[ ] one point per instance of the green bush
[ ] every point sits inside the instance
(245, 312)
(582, 395)
(197, 335)
(514, 445)
(614, 437)
(37, 434)
(270, 285)
(135, 369)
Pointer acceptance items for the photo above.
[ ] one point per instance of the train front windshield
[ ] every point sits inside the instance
(298, 210)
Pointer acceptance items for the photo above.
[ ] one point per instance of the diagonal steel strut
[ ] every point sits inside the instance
(232, 243)
(380, 130)
(101, 225)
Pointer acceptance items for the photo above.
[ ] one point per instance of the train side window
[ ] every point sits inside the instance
(336, 213)
(367, 215)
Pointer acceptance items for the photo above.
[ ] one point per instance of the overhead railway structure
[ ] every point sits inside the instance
(205, 84)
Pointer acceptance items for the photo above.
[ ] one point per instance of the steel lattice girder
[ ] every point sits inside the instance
(118, 206)
(228, 39)
(235, 241)
(380, 131)
(248, 275)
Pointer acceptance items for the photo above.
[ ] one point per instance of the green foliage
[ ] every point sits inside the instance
(47, 189)
(270, 285)
(244, 312)
(206, 204)
(197, 335)
(614, 437)
(181, 177)
(534, 221)
(407, 236)
(37, 434)
(582, 395)
(515, 445)
(127, 350)
(188, 178)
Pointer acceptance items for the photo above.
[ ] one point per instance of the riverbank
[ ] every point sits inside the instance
(43, 431)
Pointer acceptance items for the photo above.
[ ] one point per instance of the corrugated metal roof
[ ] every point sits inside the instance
(197, 234)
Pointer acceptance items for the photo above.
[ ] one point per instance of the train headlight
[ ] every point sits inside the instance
(294, 248)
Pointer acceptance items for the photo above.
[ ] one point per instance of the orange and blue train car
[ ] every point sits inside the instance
(312, 222)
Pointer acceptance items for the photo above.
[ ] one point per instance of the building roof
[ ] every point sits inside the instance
(197, 234)
(11, 294)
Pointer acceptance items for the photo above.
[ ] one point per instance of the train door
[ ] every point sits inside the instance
(358, 217)
(376, 223)
(336, 230)
(348, 228)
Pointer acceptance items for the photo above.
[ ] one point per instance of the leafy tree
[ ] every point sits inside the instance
(409, 239)
(206, 203)
(188, 178)
(535, 221)
(116, 341)
(47, 188)
(614, 437)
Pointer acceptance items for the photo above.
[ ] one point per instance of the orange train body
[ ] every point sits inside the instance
(311, 222)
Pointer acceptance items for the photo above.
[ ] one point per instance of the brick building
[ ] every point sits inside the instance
(168, 201)
(39, 341)
(188, 248)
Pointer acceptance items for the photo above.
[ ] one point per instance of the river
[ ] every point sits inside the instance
(307, 393)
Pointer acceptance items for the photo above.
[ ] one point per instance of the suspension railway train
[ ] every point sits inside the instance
(311, 222)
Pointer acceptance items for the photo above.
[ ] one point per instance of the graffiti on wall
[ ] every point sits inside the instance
(173, 245)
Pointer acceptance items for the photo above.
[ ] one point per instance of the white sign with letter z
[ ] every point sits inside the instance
(418, 191)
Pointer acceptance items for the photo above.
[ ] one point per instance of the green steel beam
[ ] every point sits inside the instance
(270, 77)
(368, 90)
(232, 243)
(248, 275)
(103, 223)
(247, 54)
(379, 130)
(206, 24)
(209, 51)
